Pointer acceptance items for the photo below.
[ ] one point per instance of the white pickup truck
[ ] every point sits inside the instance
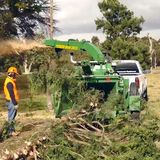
(132, 70)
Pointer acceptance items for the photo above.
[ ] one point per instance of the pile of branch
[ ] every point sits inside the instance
(29, 152)
(81, 136)
(80, 130)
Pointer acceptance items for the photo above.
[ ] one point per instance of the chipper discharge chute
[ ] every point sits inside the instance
(97, 74)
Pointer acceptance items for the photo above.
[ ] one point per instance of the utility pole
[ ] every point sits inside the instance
(51, 19)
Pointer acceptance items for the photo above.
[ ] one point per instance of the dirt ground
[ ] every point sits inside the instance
(32, 126)
(37, 124)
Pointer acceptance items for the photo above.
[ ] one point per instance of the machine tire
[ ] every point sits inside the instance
(135, 115)
(133, 89)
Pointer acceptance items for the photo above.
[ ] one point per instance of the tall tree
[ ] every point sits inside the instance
(24, 16)
(120, 27)
(95, 40)
(7, 26)
(117, 20)
(157, 53)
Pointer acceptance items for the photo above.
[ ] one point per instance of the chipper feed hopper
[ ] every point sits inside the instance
(97, 74)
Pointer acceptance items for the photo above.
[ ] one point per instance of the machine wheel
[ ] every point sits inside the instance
(145, 95)
(133, 89)
(135, 115)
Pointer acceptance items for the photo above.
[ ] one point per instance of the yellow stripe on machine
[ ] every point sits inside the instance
(67, 47)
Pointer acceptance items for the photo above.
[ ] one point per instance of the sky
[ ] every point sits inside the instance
(76, 18)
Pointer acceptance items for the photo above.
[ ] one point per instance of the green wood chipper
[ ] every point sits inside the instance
(98, 74)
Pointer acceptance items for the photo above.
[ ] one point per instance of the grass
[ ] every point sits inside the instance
(122, 139)
(78, 138)
(154, 93)
(37, 102)
(28, 101)
(33, 119)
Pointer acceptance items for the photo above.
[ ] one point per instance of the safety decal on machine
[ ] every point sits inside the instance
(67, 47)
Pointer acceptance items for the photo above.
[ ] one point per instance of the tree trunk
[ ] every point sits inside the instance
(51, 19)
(151, 51)
(49, 100)
(48, 92)
(155, 60)
(27, 68)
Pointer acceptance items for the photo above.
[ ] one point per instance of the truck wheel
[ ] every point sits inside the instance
(145, 95)
(135, 115)
(133, 89)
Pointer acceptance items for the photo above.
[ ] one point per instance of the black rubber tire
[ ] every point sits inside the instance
(133, 89)
(135, 115)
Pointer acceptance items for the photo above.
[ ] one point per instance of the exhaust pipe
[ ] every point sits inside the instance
(79, 62)
(72, 60)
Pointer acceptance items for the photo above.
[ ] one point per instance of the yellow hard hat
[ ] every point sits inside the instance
(12, 70)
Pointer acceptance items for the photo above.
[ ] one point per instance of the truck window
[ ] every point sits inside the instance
(126, 68)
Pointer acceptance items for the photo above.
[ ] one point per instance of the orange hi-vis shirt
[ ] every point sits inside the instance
(6, 92)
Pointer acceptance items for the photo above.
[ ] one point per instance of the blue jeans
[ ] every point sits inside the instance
(12, 112)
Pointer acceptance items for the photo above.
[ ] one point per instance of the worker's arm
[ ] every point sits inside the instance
(11, 93)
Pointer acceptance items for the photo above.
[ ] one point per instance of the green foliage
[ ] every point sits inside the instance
(22, 17)
(87, 133)
(51, 71)
(156, 52)
(38, 81)
(74, 139)
(32, 102)
(95, 40)
(6, 25)
(120, 27)
(109, 108)
(4, 132)
(133, 48)
(117, 20)
(29, 101)
(7, 61)
(43, 67)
